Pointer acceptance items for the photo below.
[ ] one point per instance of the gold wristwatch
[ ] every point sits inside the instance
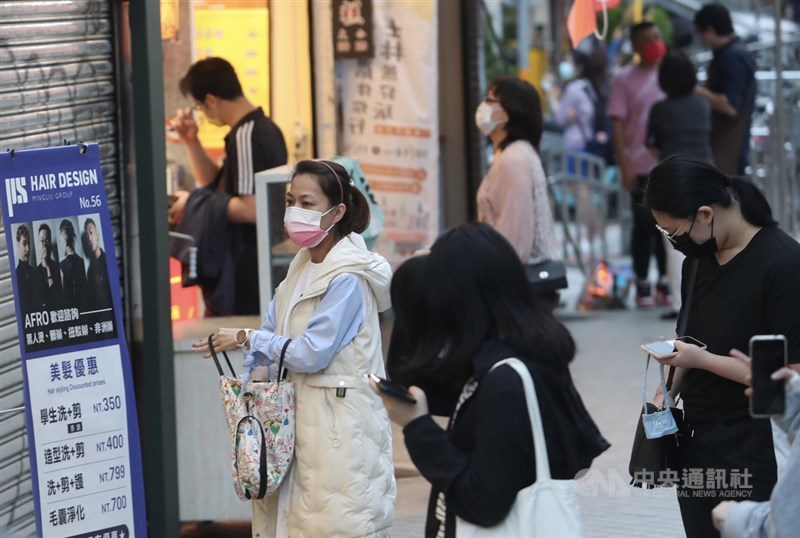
(242, 338)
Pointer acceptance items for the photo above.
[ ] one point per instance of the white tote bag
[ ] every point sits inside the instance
(547, 508)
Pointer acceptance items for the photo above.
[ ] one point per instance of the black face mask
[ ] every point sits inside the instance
(685, 244)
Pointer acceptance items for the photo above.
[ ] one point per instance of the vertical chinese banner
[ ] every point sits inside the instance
(80, 409)
(391, 118)
(238, 31)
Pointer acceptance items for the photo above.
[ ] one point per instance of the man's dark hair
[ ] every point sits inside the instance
(638, 28)
(676, 75)
(67, 228)
(23, 231)
(46, 228)
(715, 16)
(214, 76)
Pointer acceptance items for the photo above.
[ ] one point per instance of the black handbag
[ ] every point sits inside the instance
(656, 462)
(547, 275)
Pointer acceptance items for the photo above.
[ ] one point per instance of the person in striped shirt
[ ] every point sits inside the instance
(254, 143)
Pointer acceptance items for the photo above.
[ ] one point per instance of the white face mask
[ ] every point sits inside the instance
(483, 119)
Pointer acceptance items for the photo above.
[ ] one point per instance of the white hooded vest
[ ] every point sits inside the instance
(342, 481)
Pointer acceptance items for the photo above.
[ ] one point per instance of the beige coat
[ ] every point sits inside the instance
(342, 482)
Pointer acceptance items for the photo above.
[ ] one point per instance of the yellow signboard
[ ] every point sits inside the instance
(241, 36)
(170, 19)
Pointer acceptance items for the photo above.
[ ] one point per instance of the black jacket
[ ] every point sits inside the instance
(486, 456)
(205, 218)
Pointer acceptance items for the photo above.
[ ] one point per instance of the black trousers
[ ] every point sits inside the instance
(645, 238)
(734, 460)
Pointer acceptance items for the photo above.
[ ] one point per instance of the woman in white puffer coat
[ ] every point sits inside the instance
(341, 483)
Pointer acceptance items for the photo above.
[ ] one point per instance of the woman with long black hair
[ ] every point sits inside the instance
(747, 283)
(460, 310)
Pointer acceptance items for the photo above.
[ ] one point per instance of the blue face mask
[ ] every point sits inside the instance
(566, 70)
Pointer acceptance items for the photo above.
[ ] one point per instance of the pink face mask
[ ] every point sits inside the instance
(303, 226)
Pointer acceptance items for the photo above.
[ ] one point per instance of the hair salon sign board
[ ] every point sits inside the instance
(80, 408)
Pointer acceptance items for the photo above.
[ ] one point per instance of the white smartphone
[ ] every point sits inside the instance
(665, 348)
(767, 354)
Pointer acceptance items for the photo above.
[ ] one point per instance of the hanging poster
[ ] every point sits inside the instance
(79, 402)
(390, 123)
(352, 29)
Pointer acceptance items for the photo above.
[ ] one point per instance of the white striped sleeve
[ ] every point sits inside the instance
(244, 158)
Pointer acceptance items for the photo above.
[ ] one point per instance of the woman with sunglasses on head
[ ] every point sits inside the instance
(342, 481)
(747, 283)
(512, 197)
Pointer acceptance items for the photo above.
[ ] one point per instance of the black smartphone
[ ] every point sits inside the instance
(395, 390)
(767, 354)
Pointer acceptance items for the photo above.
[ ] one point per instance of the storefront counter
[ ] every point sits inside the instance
(204, 451)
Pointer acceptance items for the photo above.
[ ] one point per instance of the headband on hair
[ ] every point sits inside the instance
(338, 179)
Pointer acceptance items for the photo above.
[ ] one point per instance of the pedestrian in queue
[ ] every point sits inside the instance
(342, 481)
(730, 88)
(582, 108)
(512, 197)
(678, 125)
(580, 100)
(634, 90)
(462, 308)
(779, 516)
(747, 283)
(227, 191)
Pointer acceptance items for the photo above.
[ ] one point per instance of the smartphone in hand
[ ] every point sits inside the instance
(768, 353)
(390, 388)
(665, 348)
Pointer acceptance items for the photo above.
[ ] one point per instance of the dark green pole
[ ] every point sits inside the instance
(152, 349)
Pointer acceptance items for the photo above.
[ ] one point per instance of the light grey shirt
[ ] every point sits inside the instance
(780, 516)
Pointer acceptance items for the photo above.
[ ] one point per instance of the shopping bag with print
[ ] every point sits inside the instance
(260, 416)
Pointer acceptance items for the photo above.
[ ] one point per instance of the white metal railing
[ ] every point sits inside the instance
(586, 202)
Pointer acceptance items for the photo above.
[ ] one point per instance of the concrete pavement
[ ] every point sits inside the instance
(607, 372)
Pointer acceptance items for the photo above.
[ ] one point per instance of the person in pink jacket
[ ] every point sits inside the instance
(512, 197)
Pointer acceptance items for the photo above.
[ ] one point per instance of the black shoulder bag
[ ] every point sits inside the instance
(656, 462)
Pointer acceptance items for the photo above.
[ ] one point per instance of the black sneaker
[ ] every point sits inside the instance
(644, 296)
(663, 296)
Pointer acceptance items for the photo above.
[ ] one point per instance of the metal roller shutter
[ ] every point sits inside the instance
(57, 83)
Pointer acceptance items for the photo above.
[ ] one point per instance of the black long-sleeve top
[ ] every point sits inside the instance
(486, 456)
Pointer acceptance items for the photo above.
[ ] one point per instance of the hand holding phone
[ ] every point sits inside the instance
(768, 353)
(663, 349)
(390, 388)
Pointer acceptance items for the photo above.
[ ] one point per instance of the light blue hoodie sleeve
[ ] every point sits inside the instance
(336, 321)
(779, 516)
